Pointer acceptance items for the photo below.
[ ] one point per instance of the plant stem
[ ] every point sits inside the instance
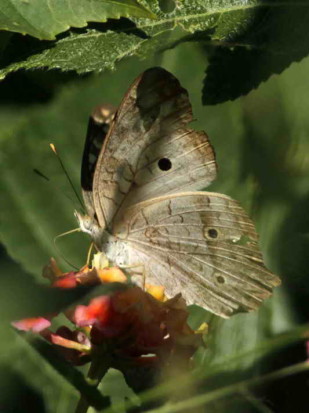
(98, 368)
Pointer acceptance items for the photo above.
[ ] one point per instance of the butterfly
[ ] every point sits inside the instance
(143, 170)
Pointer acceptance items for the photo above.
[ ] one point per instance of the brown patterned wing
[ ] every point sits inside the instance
(150, 150)
(202, 245)
(98, 126)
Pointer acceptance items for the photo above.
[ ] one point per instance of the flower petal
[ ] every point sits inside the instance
(35, 324)
(64, 342)
(157, 291)
(99, 310)
(112, 274)
(68, 280)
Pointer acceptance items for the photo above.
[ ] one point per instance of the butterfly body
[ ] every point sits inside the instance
(112, 246)
(146, 209)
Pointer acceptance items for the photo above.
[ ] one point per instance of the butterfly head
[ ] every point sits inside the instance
(114, 250)
(89, 225)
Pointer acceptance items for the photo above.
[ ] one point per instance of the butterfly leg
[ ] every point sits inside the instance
(89, 253)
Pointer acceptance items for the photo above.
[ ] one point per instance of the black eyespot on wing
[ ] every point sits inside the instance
(212, 233)
(165, 164)
(220, 279)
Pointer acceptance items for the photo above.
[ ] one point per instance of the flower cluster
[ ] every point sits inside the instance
(128, 327)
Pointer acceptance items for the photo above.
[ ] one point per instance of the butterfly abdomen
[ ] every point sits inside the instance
(115, 250)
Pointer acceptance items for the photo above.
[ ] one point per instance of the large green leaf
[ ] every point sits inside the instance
(20, 362)
(246, 40)
(96, 50)
(45, 19)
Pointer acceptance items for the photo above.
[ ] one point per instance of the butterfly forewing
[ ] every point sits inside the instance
(202, 245)
(150, 149)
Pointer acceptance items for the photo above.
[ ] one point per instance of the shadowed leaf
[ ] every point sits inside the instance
(277, 37)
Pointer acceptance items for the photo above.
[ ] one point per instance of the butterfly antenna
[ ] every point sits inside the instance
(53, 148)
(59, 251)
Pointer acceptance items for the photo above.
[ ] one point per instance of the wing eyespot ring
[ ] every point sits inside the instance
(220, 279)
(211, 233)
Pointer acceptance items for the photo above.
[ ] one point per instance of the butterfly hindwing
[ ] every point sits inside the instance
(202, 245)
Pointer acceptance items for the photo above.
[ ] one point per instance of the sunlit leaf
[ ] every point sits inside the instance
(96, 50)
(45, 19)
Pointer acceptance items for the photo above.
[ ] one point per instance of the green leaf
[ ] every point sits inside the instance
(93, 51)
(114, 386)
(242, 389)
(97, 50)
(246, 41)
(31, 368)
(277, 37)
(70, 373)
(200, 15)
(45, 19)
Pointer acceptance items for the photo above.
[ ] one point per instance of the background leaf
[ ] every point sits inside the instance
(245, 41)
(45, 19)
(99, 49)
(277, 36)
(89, 52)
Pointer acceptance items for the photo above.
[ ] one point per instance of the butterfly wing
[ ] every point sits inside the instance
(202, 245)
(150, 150)
(98, 126)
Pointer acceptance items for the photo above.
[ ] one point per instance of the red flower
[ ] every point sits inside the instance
(97, 312)
(128, 324)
